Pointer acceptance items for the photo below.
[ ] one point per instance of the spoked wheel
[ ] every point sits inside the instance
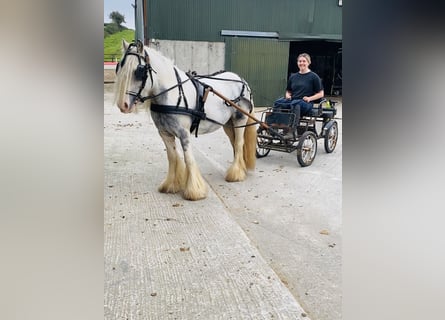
(331, 137)
(260, 150)
(307, 148)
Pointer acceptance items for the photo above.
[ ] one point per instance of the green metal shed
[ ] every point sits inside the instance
(263, 63)
(262, 38)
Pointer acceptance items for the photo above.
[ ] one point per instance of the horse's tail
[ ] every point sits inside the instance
(250, 141)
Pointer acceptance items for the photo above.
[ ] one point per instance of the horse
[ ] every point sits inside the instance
(181, 103)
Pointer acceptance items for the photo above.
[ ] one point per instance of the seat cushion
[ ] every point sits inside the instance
(315, 112)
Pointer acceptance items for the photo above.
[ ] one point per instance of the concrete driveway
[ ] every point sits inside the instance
(265, 248)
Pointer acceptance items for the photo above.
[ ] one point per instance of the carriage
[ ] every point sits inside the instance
(285, 131)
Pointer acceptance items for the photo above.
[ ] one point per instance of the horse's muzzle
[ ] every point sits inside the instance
(128, 107)
(125, 108)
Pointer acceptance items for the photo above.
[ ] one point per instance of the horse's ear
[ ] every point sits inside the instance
(146, 57)
(140, 46)
(125, 44)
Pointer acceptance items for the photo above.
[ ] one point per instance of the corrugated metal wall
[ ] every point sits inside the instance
(263, 63)
(203, 20)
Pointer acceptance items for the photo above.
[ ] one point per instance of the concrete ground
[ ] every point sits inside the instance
(265, 248)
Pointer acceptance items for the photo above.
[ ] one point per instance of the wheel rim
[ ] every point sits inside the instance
(308, 149)
(261, 152)
(332, 137)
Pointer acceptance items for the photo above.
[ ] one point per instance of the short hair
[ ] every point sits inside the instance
(306, 56)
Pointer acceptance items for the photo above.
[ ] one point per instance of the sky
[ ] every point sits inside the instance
(124, 7)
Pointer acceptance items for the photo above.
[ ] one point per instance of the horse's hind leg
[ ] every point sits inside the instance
(176, 176)
(231, 134)
(237, 171)
(195, 187)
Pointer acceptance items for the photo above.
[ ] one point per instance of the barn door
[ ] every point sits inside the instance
(263, 63)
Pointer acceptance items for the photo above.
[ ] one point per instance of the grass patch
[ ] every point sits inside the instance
(113, 44)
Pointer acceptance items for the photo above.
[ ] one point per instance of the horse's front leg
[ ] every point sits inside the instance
(237, 171)
(176, 175)
(195, 187)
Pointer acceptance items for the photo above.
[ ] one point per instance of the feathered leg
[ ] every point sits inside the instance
(237, 171)
(176, 176)
(195, 187)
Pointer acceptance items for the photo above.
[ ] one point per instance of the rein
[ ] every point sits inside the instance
(143, 99)
(180, 83)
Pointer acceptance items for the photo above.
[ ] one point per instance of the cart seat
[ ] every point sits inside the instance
(315, 112)
(323, 108)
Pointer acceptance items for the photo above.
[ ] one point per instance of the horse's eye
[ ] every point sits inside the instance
(140, 73)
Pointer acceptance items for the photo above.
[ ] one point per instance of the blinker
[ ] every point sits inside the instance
(140, 73)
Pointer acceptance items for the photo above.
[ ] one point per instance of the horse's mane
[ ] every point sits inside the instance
(123, 78)
(161, 64)
(158, 55)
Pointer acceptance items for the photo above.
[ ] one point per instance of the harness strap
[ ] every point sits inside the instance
(248, 125)
(180, 110)
(200, 101)
(212, 76)
(143, 99)
(181, 90)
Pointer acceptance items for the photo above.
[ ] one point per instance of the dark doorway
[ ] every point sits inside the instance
(326, 62)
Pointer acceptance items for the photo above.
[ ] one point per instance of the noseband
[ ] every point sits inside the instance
(142, 70)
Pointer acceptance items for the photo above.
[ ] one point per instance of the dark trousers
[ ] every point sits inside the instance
(297, 106)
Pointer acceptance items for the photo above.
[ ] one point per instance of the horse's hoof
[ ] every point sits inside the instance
(236, 177)
(194, 196)
(168, 189)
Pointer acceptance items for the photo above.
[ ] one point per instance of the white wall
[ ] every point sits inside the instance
(200, 56)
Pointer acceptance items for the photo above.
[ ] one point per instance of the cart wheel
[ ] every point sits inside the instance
(307, 148)
(260, 151)
(330, 138)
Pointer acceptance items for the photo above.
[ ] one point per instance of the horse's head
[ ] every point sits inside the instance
(134, 76)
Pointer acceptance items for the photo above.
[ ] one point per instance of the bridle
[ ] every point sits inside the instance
(142, 70)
